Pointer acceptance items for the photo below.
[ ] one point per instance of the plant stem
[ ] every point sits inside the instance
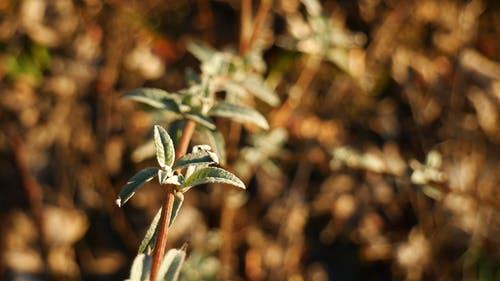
(264, 7)
(34, 192)
(247, 38)
(187, 133)
(226, 250)
(245, 23)
(161, 242)
(281, 115)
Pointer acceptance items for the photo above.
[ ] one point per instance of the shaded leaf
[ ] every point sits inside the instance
(178, 199)
(134, 183)
(259, 89)
(238, 113)
(212, 175)
(156, 98)
(150, 236)
(191, 77)
(201, 51)
(198, 158)
(165, 153)
(171, 266)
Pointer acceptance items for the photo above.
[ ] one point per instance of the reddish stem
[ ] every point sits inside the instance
(161, 244)
(264, 7)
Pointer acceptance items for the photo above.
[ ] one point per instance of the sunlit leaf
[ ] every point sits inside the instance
(200, 51)
(134, 183)
(234, 89)
(156, 98)
(171, 266)
(141, 268)
(198, 158)
(212, 175)
(150, 234)
(238, 113)
(259, 89)
(213, 138)
(165, 153)
(178, 199)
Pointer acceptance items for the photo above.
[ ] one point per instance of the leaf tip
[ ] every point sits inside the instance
(118, 202)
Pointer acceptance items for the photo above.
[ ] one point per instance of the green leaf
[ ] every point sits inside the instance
(134, 183)
(171, 266)
(198, 158)
(259, 89)
(141, 268)
(234, 89)
(149, 238)
(178, 199)
(200, 119)
(200, 51)
(238, 113)
(156, 98)
(165, 152)
(212, 175)
(213, 138)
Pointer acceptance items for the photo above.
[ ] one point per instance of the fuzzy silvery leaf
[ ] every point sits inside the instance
(135, 182)
(239, 113)
(211, 175)
(215, 139)
(168, 177)
(217, 65)
(200, 119)
(178, 199)
(234, 89)
(141, 268)
(163, 175)
(165, 153)
(171, 266)
(208, 149)
(150, 236)
(200, 51)
(198, 158)
(174, 180)
(156, 98)
(259, 89)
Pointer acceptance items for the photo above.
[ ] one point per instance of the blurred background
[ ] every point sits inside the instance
(382, 161)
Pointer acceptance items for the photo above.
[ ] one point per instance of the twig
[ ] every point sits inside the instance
(245, 23)
(227, 222)
(33, 191)
(281, 115)
(161, 243)
(264, 7)
(159, 250)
